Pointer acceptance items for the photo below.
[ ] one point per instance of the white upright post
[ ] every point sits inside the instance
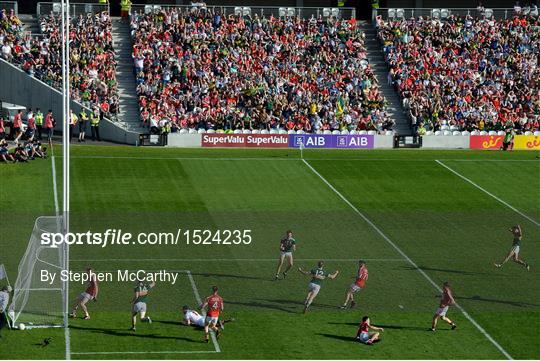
(65, 159)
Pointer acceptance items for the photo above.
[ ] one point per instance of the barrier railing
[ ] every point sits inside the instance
(9, 5)
(45, 8)
(494, 13)
(277, 11)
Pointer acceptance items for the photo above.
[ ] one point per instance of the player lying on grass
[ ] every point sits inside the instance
(90, 293)
(359, 283)
(317, 274)
(214, 302)
(514, 251)
(447, 299)
(139, 303)
(363, 335)
(194, 318)
(286, 248)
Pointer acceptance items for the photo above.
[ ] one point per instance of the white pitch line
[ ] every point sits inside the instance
(67, 335)
(411, 262)
(136, 352)
(489, 193)
(199, 301)
(233, 260)
(296, 159)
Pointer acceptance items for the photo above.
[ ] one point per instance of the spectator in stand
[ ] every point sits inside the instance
(198, 69)
(92, 62)
(466, 73)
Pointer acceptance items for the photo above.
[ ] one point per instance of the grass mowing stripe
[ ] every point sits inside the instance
(199, 301)
(67, 336)
(488, 193)
(404, 255)
(137, 352)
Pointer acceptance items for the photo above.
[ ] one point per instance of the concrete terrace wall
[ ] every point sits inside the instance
(19, 88)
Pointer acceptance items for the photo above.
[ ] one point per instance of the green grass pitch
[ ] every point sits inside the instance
(451, 229)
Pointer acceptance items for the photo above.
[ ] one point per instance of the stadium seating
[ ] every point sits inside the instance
(205, 71)
(92, 63)
(466, 74)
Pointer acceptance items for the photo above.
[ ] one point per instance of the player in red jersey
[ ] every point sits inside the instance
(90, 293)
(447, 299)
(214, 302)
(359, 284)
(363, 335)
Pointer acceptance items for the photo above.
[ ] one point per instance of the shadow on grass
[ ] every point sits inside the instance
(505, 302)
(390, 327)
(337, 337)
(445, 270)
(218, 275)
(262, 305)
(314, 305)
(119, 332)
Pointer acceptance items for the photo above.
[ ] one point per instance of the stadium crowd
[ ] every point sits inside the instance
(466, 73)
(203, 70)
(92, 63)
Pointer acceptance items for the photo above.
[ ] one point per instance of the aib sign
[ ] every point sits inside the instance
(331, 141)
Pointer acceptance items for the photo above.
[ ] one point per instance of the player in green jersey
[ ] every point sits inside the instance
(139, 303)
(317, 275)
(286, 248)
(514, 251)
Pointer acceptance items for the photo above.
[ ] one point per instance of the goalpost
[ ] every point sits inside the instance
(38, 303)
(35, 303)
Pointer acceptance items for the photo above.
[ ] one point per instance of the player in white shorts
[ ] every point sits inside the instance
(447, 299)
(317, 275)
(192, 317)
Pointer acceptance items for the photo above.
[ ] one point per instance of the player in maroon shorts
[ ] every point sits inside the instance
(214, 302)
(447, 299)
(90, 293)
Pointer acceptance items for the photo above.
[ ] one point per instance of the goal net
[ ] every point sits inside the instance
(38, 299)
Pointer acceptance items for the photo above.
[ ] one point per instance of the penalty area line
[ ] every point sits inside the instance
(199, 301)
(411, 262)
(488, 193)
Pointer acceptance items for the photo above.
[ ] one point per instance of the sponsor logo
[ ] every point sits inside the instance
(486, 141)
(331, 141)
(245, 140)
(267, 141)
(527, 142)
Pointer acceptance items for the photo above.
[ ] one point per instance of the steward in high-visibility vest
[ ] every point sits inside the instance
(103, 1)
(39, 122)
(375, 4)
(82, 124)
(94, 126)
(125, 7)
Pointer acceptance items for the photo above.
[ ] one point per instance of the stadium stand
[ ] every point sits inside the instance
(205, 71)
(92, 63)
(465, 73)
